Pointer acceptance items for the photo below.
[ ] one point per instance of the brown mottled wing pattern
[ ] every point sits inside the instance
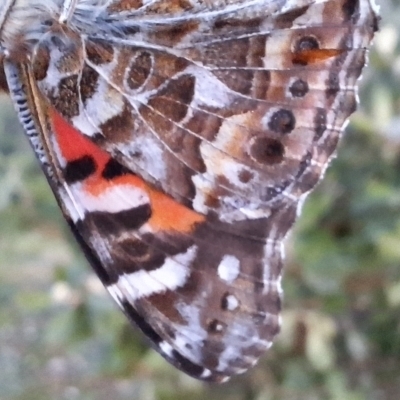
(228, 109)
(218, 118)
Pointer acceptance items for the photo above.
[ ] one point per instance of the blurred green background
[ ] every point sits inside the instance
(61, 336)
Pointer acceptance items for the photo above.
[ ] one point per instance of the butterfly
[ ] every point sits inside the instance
(180, 139)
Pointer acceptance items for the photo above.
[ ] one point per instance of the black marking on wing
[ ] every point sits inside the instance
(114, 169)
(80, 169)
(119, 222)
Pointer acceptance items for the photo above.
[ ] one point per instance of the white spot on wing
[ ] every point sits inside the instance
(229, 268)
(232, 303)
(205, 374)
(166, 348)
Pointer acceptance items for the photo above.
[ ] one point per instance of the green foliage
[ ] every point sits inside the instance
(61, 337)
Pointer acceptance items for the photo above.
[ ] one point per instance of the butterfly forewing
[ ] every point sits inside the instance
(180, 139)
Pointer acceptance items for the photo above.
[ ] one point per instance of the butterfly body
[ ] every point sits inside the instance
(180, 139)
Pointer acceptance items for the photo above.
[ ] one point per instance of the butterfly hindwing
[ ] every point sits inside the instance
(169, 265)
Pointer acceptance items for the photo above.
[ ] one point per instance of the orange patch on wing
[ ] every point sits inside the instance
(167, 214)
(170, 215)
(315, 55)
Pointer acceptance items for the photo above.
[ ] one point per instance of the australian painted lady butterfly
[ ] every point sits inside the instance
(180, 138)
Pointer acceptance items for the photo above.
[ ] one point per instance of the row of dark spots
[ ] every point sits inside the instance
(266, 150)
(82, 168)
(269, 151)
